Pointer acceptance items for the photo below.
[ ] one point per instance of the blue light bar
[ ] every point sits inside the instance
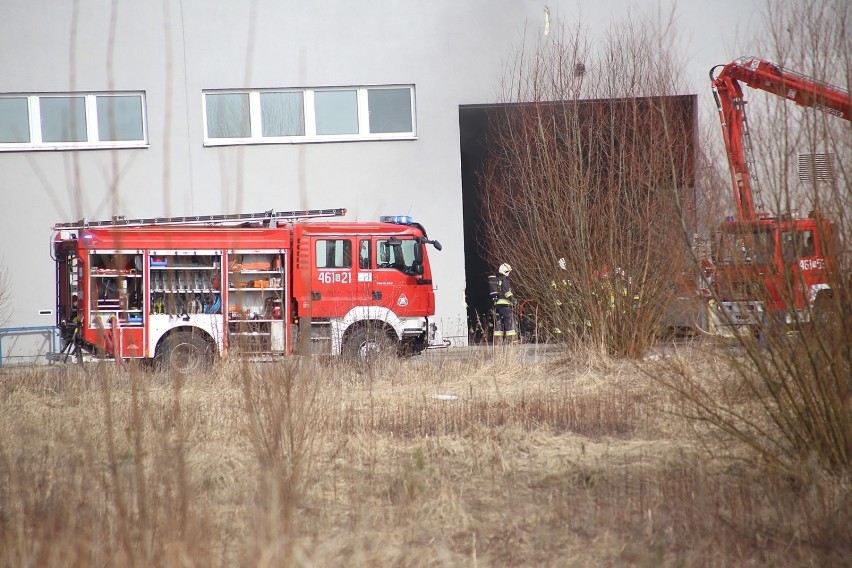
(396, 219)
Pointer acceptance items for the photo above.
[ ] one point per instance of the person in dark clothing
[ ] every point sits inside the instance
(504, 300)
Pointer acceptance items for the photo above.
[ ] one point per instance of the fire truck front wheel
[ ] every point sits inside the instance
(184, 352)
(369, 341)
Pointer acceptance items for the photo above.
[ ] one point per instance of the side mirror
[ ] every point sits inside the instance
(435, 244)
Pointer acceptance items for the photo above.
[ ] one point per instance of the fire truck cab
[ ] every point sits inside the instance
(181, 291)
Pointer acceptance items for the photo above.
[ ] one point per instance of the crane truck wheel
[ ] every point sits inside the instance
(184, 352)
(369, 342)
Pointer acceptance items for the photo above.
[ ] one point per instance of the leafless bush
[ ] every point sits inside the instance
(795, 360)
(5, 295)
(593, 167)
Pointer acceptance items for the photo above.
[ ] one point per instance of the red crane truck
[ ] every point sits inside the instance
(180, 291)
(765, 264)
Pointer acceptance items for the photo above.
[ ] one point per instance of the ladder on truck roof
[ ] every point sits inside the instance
(266, 217)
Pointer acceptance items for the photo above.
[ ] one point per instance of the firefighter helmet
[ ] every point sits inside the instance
(505, 269)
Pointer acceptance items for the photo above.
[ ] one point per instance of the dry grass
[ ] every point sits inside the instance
(520, 460)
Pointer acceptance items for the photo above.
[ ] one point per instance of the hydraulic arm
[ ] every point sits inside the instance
(761, 74)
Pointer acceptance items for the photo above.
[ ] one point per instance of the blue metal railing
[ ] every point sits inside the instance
(48, 331)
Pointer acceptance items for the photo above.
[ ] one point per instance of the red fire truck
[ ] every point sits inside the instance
(179, 291)
(767, 264)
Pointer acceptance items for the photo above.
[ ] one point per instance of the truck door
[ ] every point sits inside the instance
(396, 275)
(805, 267)
(366, 268)
(333, 276)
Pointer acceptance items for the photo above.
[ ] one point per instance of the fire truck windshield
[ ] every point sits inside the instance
(746, 248)
(399, 254)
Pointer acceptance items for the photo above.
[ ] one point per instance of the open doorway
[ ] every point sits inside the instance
(475, 123)
(473, 132)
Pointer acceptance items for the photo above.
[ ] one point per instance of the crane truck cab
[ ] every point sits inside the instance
(766, 265)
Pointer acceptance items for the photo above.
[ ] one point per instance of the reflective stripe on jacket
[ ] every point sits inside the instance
(504, 292)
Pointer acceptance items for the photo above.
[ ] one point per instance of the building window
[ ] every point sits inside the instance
(14, 121)
(390, 110)
(120, 118)
(282, 114)
(68, 121)
(328, 114)
(63, 119)
(336, 112)
(228, 115)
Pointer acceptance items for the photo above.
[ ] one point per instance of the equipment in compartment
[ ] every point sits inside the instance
(183, 285)
(255, 288)
(115, 288)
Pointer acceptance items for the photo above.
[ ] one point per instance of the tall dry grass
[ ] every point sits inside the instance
(479, 457)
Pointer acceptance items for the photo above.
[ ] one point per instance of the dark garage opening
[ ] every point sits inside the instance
(474, 124)
(473, 131)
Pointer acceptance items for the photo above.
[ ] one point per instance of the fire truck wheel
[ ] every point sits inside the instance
(185, 352)
(368, 342)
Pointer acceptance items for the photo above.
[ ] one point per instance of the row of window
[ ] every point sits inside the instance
(119, 120)
(72, 121)
(309, 115)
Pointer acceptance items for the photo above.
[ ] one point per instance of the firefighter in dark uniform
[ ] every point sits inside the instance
(504, 299)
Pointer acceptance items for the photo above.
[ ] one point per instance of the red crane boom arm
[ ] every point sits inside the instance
(761, 74)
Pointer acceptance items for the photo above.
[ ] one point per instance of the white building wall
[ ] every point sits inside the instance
(451, 50)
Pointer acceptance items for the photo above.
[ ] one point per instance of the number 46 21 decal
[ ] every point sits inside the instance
(335, 277)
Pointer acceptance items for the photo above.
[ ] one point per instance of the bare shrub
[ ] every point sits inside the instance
(5, 295)
(795, 361)
(593, 167)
